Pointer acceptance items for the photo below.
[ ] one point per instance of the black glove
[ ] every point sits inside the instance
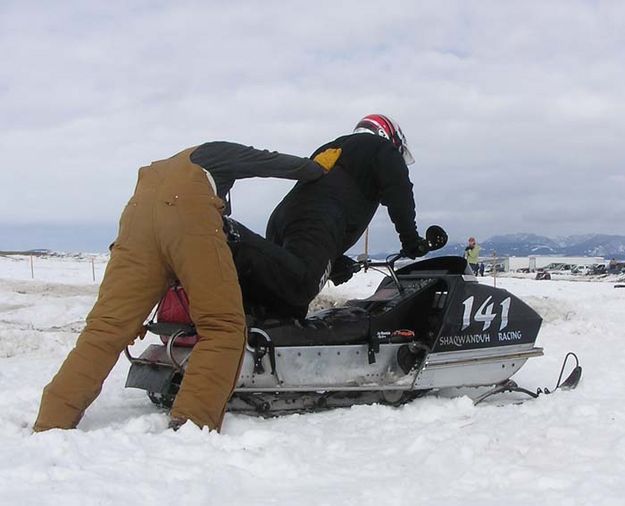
(343, 268)
(416, 248)
(468, 248)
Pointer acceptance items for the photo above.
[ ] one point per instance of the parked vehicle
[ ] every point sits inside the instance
(488, 267)
(599, 269)
(583, 270)
(557, 268)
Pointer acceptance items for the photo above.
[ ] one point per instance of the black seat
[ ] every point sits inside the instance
(335, 326)
(342, 325)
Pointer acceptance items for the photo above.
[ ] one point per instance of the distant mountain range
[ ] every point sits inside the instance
(71, 237)
(97, 237)
(522, 245)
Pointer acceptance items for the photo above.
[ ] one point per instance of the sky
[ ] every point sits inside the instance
(514, 111)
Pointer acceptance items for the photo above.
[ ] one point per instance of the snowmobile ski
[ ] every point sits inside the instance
(509, 385)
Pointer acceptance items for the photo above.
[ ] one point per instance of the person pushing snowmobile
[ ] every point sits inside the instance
(171, 229)
(317, 222)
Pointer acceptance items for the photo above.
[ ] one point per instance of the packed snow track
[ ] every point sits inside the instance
(567, 448)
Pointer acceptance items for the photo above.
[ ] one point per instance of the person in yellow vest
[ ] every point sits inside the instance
(472, 255)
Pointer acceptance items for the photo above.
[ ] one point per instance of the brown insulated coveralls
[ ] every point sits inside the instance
(171, 228)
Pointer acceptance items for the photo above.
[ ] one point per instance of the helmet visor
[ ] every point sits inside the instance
(402, 144)
(405, 152)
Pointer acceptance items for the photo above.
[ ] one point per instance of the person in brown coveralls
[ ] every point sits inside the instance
(171, 229)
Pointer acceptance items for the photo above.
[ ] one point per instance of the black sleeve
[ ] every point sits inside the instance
(228, 161)
(396, 192)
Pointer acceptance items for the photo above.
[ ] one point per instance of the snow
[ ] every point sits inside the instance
(567, 448)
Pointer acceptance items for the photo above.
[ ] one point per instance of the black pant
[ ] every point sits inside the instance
(279, 279)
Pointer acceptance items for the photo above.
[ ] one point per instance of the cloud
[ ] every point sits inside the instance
(513, 110)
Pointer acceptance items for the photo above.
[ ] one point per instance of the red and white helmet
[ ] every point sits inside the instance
(386, 127)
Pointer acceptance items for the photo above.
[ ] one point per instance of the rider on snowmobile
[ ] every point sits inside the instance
(317, 222)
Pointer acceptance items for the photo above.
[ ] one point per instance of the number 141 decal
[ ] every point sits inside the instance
(485, 313)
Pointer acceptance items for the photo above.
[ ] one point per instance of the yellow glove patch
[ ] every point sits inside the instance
(328, 158)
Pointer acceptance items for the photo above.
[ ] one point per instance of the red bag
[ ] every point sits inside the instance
(174, 308)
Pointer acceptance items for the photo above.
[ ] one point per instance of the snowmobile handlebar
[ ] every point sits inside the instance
(435, 238)
(389, 262)
(391, 259)
(345, 267)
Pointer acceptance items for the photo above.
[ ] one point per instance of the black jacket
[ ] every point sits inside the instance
(228, 161)
(369, 171)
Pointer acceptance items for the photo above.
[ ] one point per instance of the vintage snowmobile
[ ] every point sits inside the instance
(429, 326)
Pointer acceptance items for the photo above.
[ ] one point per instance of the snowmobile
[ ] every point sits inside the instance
(430, 325)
